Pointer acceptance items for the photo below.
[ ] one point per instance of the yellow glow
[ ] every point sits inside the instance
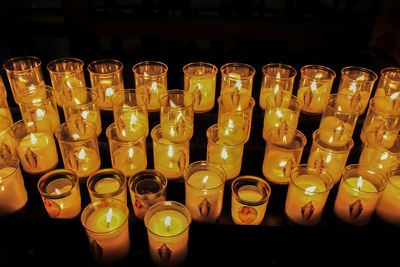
(170, 151)
(384, 156)
(109, 92)
(69, 84)
(276, 90)
(205, 180)
(224, 153)
(75, 136)
(130, 153)
(172, 104)
(40, 113)
(395, 95)
(172, 132)
(238, 85)
(153, 86)
(58, 191)
(278, 75)
(279, 113)
(167, 222)
(353, 87)
(77, 101)
(313, 87)
(282, 163)
(33, 139)
(82, 154)
(359, 182)
(318, 76)
(85, 114)
(361, 78)
(311, 189)
(199, 86)
(133, 119)
(109, 216)
(123, 132)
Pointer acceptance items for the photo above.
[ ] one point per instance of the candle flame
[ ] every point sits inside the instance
(311, 189)
(82, 154)
(170, 151)
(153, 86)
(314, 86)
(167, 222)
(58, 191)
(361, 78)
(238, 85)
(276, 88)
(133, 119)
(33, 139)
(359, 182)
(205, 180)
(318, 76)
(109, 216)
(282, 163)
(109, 92)
(278, 75)
(85, 114)
(395, 95)
(40, 113)
(77, 101)
(353, 87)
(130, 152)
(224, 153)
(279, 113)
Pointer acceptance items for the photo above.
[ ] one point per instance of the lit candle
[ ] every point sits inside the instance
(233, 128)
(89, 115)
(153, 91)
(389, 82)
(107, 183)
(129, 160)
(388, 206)
(237, 77)
(83, 160)
(7, 142)
(132, 117)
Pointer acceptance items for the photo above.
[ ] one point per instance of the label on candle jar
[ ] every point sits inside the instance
(247, 214)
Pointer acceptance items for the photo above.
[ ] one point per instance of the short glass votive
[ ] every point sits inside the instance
(171, 155)
(7, 143)
(151, 80)
(315, 85)
(127, 143)
(307, 194)
(13, 195)
(359, 191)
(106, 79)
(167, 224)
(66, 74)
(147, 188)
(79, 146)
(281, 113)
(224, 151)
(283, 152)
(358, 82)
(200, 80)
(36, 147)
(107, 229)
(204, 190)
(250, 195)
(23, 73)
(389, 82)
(278, 80)
(107, 183)
(4, 107)
(236, 77)
(60, 193)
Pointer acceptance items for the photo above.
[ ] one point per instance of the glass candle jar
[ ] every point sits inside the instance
(4, 108)
(236, 77)
(107, 183)
(7, 143)
(389, 82)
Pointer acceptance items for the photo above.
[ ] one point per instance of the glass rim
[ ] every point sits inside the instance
(123, 142)
(387, 69)
(350, 97)
(205, 163)
(368, 168)
(328, 184)
(260, 183)
(150, 62)
(373, 76)
(239, 64)
(115, 61)
(208, 134)
(252, 102)
(65, 59)
(135, 178)
(30, 131)
(72, 176)
(37, 90)
(22, 58)
(292, 70)
(103, 174)
(320, 67)
(186, 67)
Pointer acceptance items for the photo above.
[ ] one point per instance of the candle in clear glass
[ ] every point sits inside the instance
(281, 113)
(146, 188)
(389, 82)
(315, 85)
(237, 77)
(307, 194)
(79, 146)
(4, 108)
(250, 195)
(359, 191)
(107, 183)
(176, 110)
(36, 147)
(106, 79)
(167, 224)
(60, 193)
(132, 109)
(23, 73)
(358, 82)
(107, 229)
(204, 190)
(13, 195)
(171, 151)
(40, 103)
(66, 74)
(7, 143)
(282, 153)
(278, 79)
(151, 80)
(330, 153)
(200, 80)
(127, 143)
(235, 111)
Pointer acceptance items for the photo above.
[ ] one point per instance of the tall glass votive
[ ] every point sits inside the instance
(281, 113)
(236, 77)
(13, 195)
(79, 147)
(171, 153)
(7, 143)
(106, 222)
(23, 73)
(60, 193)
(4, 107)
(200, 80)
(389, 82)
(167, 224)
(36, 147)
(151, 80)
(107, 183)
(147, 188)
(307, 194)
(250, 195)
(66, 74)
(127, 143)
(358, 82)
(359, 191)
(315, 85)
(204, 190)
(106, 79)
(278, 80)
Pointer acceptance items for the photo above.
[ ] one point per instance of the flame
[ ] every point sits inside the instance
(69, 84)
(85, 114)
(40, 113)
(359, 182)
(58, 191)
(205, 180)
(361, 78)
(278, 75)
(276, 90)
(77, 101)
(328, 158)
(109, 92)
(123, 132)
(133, 119)
(395, 95)
(109, 216)
(282, 163)
(238, 85)
(279, 113)
(33, 139)
(311, 189)
(153, 86)
(130, 153)
(224, 153)
(314, 86)
(318, 76)
(167, 222)
(385, 155)
(170, 151)
(353, 87)
(172, 131)
(172, 104)
(82, 154)
(199, 86)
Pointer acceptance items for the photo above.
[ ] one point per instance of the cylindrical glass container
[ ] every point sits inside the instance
(107, 183)
(237, 77)
(389, 82)
(4, 108)
(7, 143)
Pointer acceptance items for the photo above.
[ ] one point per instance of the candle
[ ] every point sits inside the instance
(153, 91)
(233, 128)
(107, 229)
(107, 183)
(132, 117)
(89, 115)
(83, 160)
(237, 77)
(388, 206)
(129, 160)
(389, 82)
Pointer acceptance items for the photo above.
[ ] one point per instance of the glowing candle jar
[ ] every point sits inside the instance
(200, 80)
(237, 77)
(66, 74)
(106, 78)
(282, 153)
(389, 82)
(146, 188)
(167, 224)
(204, 190)
(278, 80)
(359, 191)
(23, 73)
(36, 148)
(107, 183)
(13, 195)
(4, 108)
(281, 113)
(60, 193)
(151, 80)
(250, 195)
(7, 143)
(315, 85)
(107, 229)
(307, 194)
